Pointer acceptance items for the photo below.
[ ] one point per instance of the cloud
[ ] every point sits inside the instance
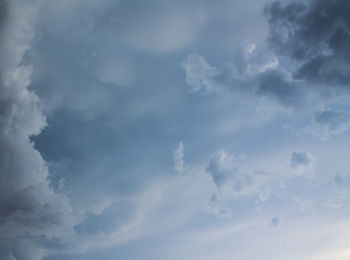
(301, 163)
(110, 203)
(253, 78)
(31, 211)
(276, 86)
(238, 75)
(199, 74)
(275, 221)
(303, 74)
(223, 168)
(225, 171)
(341, 194)
(325, 124)
(316, 35)
(342, 181)
(219, 210)
(299, 159)
(178, 156)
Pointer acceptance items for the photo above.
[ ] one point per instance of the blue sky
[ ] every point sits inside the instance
(174, 129)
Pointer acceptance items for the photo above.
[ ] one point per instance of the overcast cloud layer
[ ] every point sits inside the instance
(168, 129)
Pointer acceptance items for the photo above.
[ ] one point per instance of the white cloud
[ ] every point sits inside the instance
(199, 74)
(178, 156)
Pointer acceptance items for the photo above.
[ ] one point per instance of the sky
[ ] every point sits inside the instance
(163, 129)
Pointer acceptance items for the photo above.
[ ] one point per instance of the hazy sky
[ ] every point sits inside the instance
(174, 129)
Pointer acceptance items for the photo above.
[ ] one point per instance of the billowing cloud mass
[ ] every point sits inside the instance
(32, 212)
(316, 34)
(100, 101)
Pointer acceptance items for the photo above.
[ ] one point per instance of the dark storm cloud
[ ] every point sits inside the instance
(273, 85)
(316, 34)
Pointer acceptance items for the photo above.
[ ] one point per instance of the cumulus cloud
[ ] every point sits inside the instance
(178, 156)
(32, 212)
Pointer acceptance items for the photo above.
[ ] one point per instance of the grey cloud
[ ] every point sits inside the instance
(215, 207)
(219, 210)
(301, 163)
(226, 173)
(334, 120)
(342, 181)
(29, 208)
(316, 34)
(341, 195)
(309, 39)
(214, 198)
(274, 85)
(275, 221)
(327, 123)
(222, 168)
(247, 79)
(200, 75)
(300, 159)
